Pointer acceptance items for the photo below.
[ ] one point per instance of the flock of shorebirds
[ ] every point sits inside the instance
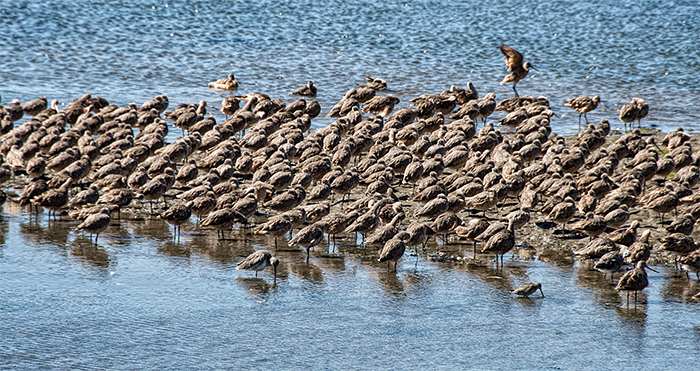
(374, 170)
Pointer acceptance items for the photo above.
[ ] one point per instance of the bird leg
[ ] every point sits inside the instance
(579, 121)
(516, 92)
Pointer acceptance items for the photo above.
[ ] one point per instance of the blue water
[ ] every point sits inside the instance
(140, 301)
(130, 51)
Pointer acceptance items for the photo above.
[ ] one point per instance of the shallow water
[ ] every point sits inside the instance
(140, 300)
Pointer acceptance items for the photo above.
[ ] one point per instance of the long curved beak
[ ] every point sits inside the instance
(652, 269)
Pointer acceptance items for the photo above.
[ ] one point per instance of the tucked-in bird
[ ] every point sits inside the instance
(229, 83)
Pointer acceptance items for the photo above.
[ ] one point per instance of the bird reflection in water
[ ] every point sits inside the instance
(390, 282)
(257, 286)
(56, 233)
(677, 288)
(90, 253)
(588, 278)
(306, 270)
(175, 249)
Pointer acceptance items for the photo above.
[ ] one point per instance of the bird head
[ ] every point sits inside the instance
(529, 65)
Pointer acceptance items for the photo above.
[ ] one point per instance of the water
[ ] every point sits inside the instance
(139, 300)
(130, 51)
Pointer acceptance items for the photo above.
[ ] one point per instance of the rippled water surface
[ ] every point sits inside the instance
(138, 300)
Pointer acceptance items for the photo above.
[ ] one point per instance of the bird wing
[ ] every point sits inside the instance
(513, 58)
(252, 260)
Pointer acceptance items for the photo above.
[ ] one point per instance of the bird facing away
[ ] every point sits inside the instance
(527, 289)
(258, 261)
(514, 64)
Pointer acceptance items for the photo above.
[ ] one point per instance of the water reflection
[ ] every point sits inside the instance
(175, 249)
(306, 270)
(675, 287)
(89, 253)
(257, 286)
(390, 282)
(501, 279)
(4, 228)
(592, 280)
(42, 232)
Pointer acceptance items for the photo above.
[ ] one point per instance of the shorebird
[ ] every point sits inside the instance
(381, 105)
(678, 244)
(563, 212)
(276, 226)
(583, 105)
(96, 223)
(691, 263)
(388, 231)
(609, 263)
(514, 64)
(528, 289)
(222, 220)
(471, 230)
(628, 113)
(309, 236)
(258, 261)
(597, 248)
(177, 215)
(119, 197)
(501, 242)
(639, 250)
(375, 84)
(682, 224)
(308, 91)
(393, 250)
(592, 226)
(229, 83)
(338, 222)
(54, 199)
(634, 280)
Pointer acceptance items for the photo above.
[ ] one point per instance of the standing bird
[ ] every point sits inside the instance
(309, 236)
(634, 280)
(527, 289)
(609, 263)
(393, 249)
(514, 64)
(501, 242)
(583, 105)
(628, 113)
(229, 83)
(95, 223)
(277, 226)
(177, 215)
(258, 261)
(54, 199)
